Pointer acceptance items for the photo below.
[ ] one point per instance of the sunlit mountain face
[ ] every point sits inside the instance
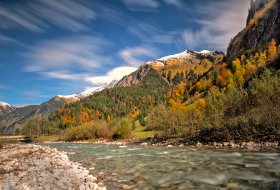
(65, 47)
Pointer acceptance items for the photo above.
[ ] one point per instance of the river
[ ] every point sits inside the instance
(187, 168)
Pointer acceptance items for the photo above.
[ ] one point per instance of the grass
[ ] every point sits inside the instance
(139, 133)
(48, 138)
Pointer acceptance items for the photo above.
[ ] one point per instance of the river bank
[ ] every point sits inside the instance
(254, 146)
(26, 166)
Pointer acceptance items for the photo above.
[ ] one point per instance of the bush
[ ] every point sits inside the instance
(78, 133)
(172, 123)
(122, 128)
(93, 130)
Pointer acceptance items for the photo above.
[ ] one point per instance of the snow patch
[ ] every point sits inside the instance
(4, 104)
(184, 54)
(89, 91)
(204, 52)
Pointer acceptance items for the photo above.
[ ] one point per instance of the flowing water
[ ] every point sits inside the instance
(176, 168)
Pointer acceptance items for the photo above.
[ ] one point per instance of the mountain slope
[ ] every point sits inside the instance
(263, 24)
(147, 90)
(9, 121)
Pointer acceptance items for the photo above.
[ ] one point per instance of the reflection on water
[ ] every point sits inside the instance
(176, 168)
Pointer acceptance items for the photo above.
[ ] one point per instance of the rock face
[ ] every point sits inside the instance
(134, 78)
(35, 167)
(263, 24)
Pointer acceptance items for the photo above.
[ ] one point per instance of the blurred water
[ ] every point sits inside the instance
(176, 168)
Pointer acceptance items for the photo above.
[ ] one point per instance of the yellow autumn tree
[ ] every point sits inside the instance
(176, 106)
(262, 60)
(108, 118)
(238, 72)
(250, 70)
(201, 85)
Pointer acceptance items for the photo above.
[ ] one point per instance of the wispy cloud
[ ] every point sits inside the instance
(176, 3)
(133, 58)
(149, 33)
(68, 58)
(115, 74)
(141, 5)
(113, 15)
(64, 75)
(39, 15)
(219, 23)
(138, 55)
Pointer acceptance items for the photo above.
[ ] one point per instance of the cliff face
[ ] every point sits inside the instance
(134, 78)
(256, 5)
(263, 24)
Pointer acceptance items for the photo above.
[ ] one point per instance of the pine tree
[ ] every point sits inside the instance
(182, 76)
(169, 75)
(176, 79)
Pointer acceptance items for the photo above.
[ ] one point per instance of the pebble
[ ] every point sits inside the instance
(36, 167)
(127, 187)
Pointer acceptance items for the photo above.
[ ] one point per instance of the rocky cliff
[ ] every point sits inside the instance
(263, 24)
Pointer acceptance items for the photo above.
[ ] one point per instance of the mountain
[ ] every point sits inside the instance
(263, 24)
(186, 61)
(5, 108)
(9, 121)
(11, 117)
(139, 92)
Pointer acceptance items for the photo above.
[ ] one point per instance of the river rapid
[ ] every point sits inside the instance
(160, 168)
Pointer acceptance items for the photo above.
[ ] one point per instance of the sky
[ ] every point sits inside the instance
(61, 47)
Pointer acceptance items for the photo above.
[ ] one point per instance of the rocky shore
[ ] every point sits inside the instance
(27, 167)
(255, 146)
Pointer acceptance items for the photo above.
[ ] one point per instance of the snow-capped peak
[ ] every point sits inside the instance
(183, 54)
(204, 52)
(89, 91)
(4, 104)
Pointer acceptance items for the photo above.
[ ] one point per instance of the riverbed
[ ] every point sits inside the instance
(138, 167)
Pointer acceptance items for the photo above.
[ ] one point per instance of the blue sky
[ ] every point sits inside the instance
(51, 47)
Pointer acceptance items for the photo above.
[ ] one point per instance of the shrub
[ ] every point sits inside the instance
(99, 129)
(122, 128)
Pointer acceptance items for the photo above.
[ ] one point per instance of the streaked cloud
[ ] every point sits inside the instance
(219, 22)
(37, 16)
(141, 5)
(138, 55)
(115, 74)
(176, 3)
(62, 75)
(113, 15)
(67, 58)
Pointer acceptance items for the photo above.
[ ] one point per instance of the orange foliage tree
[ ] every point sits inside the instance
(272, 49)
